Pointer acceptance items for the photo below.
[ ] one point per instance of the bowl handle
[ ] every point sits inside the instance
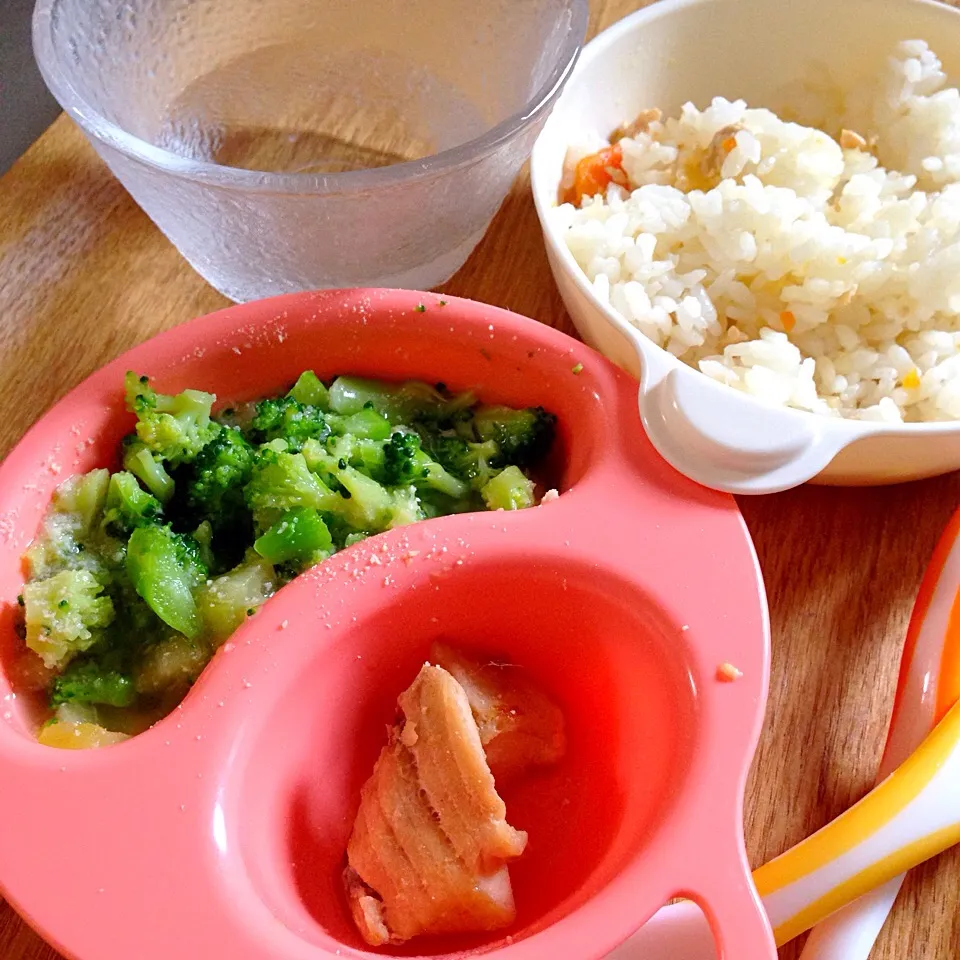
(725, 439)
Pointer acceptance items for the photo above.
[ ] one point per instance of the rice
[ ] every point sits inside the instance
(812, 269)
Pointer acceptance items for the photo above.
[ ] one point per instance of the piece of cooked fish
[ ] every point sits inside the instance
(431, 842)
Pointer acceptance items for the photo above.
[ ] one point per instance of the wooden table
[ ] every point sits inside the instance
(85, 275)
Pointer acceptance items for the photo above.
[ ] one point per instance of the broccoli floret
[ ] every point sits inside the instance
(165, 568)
(404, 462)
(285, 418)
(522, 436)
(146, 468)
(65, 615)
(128, 505)
(173, 428)
(213, 488)
(92, 681)
(366, 504)
(509, 490)
(280, 481)
(140, 396)
(469, 461)
(309, 390)
(300, 535)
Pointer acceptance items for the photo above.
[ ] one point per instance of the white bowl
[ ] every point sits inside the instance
(693, 50)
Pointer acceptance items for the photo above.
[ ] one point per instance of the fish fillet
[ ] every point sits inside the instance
(431, 842)
(519, 725)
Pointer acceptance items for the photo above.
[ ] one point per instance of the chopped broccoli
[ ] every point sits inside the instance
(367, 424)
(367, 504)
(127, 606)
(299, 535)
(468, 461)
(522, 436)
(282, 480)
(140, 396)
(64, 615)
(92, 681)
(406, 463)
(145, 466)
(213, 491)
(398, 403)
(128, 505)
(309, 390)
(285, 418)
(223, 603)
(83, 497)
(509, 490)
(165, 567)
(173, 428)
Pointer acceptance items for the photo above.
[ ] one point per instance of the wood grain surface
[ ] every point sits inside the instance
(85, 275)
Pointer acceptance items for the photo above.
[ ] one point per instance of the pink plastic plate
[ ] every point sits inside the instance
(220, 832)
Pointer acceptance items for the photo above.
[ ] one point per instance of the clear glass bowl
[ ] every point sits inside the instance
(302, 144)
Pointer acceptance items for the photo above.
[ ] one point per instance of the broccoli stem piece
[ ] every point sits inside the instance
(84, 497)
(165, 568)
(128, 505)
(145, 467)
(300, 534)
(508, 490)
(309, 390)
(224, 602)
(365, 424)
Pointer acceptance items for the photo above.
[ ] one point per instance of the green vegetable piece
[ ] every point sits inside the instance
(470, 462)
(509, 490)
(140, 396)
(366, 424)
(213, 487)
(285, 418)
(405, 462)
(84, 497)
(281, 481)
(523, 437)
(300, 534)
(64, 615)
(145, 467)
(223, 603)
(89, 681)
(165, 567)
(128, 505)
(173, 428)
(309, 390)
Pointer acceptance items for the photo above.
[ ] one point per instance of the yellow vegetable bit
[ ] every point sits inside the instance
(727, 673)
(788, 320)
(911, 379)
(78, 736)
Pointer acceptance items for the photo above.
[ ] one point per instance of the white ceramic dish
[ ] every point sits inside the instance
(680, 50)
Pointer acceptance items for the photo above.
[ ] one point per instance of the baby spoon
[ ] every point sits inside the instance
(929, 686)
(911, 815)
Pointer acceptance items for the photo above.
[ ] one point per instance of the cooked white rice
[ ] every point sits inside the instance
(806, 274)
